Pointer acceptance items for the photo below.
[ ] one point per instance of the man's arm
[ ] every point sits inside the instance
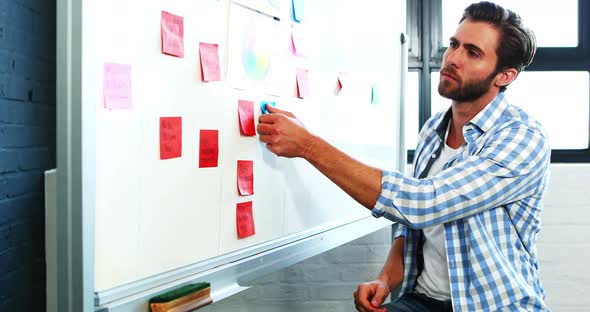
(286, 137)
(360, 181)
(393, 270)
(508, 168)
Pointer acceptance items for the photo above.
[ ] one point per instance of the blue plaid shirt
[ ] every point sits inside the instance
(489, 198)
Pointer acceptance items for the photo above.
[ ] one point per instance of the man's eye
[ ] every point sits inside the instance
(473, 53)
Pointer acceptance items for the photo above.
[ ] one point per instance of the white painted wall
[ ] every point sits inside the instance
(326, 282)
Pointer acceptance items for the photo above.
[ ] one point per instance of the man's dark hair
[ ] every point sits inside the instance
(517, 45)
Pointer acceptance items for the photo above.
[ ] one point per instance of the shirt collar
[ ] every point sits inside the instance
(490, 114)
(484, 120)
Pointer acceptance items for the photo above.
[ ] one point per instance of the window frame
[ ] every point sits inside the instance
(426, 48)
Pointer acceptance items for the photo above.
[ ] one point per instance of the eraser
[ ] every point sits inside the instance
(263, 106)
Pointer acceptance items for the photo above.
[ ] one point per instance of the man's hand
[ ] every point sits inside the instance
(283, 134)
(370, 296)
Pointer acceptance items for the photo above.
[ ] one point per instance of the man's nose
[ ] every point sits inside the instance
(453, 58)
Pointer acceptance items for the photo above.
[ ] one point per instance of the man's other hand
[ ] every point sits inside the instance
(370, 296)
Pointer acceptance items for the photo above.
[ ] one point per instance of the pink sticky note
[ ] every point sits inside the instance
(172, 29)
(208, 148)
(245, 177)
(246, 116)
(117, 86)
(245, 220)
(299, 45)
(170, 137)
(209, 62)
(302, 83)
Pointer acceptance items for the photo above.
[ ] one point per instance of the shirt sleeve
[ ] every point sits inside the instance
(509, 167)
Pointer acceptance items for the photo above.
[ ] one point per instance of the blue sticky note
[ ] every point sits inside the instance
(298, 10)
(263, 106)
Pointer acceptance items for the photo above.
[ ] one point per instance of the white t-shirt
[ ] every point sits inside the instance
(434, 279)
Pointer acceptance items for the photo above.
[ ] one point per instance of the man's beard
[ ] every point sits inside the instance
(469, 91)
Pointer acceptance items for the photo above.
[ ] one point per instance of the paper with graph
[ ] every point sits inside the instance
(257, 52)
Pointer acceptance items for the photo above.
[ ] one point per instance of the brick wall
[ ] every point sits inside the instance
(27, 147)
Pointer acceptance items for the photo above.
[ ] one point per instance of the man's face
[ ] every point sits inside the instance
(469, 63)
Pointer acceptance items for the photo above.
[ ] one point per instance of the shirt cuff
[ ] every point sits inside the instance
(390, 183)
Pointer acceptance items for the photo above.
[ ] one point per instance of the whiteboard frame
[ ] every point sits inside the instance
(74, 226)
(74, 230)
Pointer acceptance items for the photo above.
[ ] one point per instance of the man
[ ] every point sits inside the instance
(470, 216)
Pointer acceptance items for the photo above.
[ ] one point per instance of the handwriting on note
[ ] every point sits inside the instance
(210, 69)
(172, 32)
(246, 116)
(245, 220)
(117, 86)
(245, 177)
(208, 148)
(170, 137)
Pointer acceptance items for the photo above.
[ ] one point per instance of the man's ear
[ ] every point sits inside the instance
(505, 77)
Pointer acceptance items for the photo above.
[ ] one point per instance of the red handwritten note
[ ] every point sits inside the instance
(172, 29)
(302, 83)
(116, 86)
(208, 148)
(246, 116)
(245, 177)
(245, 220)
(210, 70)
(170, 137)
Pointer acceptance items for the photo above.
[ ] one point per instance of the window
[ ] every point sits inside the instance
(412, 104)
(554, 89)
(555, 23)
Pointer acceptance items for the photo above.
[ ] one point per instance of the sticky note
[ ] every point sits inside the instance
(299, 45)
(209, 53)
(246, 116)
(117, 86)
(170, 137)
(245, 177)
(263, 106)
(245, 220)
(208, 148)
(375, 94)
(172, 31)
(302, 83)
(298, 10)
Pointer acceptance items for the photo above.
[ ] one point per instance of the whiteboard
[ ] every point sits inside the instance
(155, 216)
